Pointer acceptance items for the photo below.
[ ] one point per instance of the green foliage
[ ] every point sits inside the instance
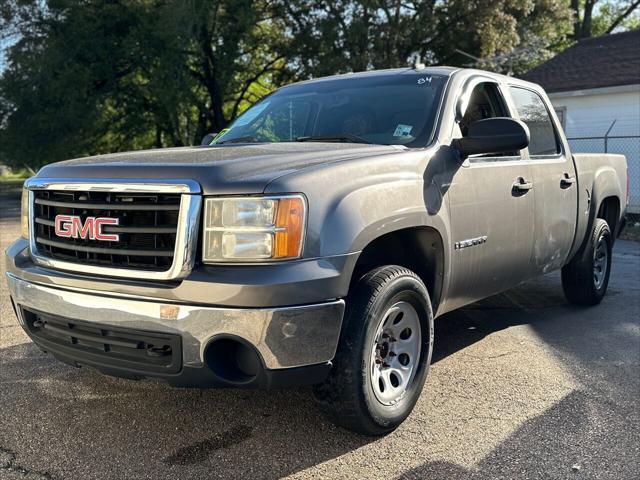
(94, 76)
(611, 17)
(345, 35)
(592, 18)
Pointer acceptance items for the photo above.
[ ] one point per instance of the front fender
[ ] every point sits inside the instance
(376, 210)
(353, 203)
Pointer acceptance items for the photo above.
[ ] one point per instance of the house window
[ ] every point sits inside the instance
(561, 113)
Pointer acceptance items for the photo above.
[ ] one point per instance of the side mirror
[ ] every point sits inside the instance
(493, 135)
(208, 138)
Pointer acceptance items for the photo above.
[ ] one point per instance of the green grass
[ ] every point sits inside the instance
(10, 188)
(17, 176)
(11, 184)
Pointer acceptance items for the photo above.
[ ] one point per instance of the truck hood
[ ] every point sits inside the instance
(220, 169)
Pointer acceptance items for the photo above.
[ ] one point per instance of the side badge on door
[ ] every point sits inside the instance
(471, 242)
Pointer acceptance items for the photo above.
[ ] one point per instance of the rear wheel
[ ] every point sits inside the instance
(384, 353)
(585, 278)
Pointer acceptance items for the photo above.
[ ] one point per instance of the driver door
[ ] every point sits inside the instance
(491, 210)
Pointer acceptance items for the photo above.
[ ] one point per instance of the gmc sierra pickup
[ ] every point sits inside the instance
(314, 241)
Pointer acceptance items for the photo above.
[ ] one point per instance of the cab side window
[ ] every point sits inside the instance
(532, 111)
(485, 102)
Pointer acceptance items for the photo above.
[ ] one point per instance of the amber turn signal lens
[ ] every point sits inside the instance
(289, 228)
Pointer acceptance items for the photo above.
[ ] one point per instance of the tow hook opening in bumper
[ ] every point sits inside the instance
(233, 360)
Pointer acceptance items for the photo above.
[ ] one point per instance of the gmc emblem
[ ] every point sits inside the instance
(71, 226)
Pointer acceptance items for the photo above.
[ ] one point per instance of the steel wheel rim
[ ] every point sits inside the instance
(600, 261)
(395, 353)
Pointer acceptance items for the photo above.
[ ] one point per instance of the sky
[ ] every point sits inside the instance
(4, 44)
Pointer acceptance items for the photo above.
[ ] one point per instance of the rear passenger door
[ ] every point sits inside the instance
(554, 181)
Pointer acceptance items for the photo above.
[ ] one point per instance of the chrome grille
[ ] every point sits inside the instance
(157, 226)
(147, 228)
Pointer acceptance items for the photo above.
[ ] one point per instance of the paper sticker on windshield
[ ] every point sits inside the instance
(403, 130)
(251, 114)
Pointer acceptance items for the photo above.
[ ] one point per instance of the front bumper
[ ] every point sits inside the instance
(294, 345)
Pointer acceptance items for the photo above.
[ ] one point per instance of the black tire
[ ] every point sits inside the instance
(346, 396)
(579, 280)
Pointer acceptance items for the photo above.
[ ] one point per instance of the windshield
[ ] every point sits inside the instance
(394, 109)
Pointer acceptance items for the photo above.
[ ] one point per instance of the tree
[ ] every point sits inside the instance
(96, 76)
(347, 35)
(600, 17)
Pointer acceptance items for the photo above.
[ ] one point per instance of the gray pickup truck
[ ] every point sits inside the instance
(314, 241)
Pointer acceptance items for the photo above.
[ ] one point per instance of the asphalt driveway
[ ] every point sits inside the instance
(522, 386)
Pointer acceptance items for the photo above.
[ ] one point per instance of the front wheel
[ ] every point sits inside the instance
(585, 278)
(384, 353)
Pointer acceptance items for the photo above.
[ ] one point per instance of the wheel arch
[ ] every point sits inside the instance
(609, 210)
(421, 249)
(603, 200)
(607, 198)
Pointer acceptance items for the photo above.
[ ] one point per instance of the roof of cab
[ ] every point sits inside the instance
(385, 72)
(444, 70)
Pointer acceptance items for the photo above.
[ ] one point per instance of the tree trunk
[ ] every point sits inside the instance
(577, 27)
(582, 24)
(586, 30)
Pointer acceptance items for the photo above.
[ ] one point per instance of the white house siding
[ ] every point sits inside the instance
(591, 113)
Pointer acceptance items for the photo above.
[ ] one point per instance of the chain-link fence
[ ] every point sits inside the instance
(627, 145)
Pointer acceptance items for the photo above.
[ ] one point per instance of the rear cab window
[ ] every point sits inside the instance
(533, 112)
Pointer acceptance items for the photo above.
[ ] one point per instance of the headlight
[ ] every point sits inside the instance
(24, 214)
(253, 229)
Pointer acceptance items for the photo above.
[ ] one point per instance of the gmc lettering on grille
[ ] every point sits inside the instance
(72, 226)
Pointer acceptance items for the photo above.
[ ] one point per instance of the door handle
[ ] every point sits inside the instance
(522, 185)
(567, 181)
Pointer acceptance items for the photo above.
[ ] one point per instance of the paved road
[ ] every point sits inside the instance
(522, 386)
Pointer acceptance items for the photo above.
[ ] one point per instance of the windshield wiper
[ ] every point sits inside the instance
(245, 139)
(343, 137)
